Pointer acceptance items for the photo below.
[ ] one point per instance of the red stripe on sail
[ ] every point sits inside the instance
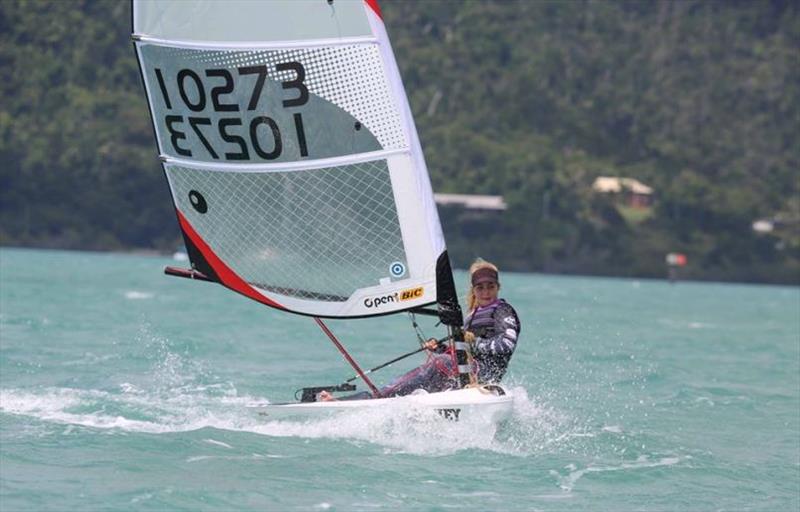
(373, 4)
(228, 277)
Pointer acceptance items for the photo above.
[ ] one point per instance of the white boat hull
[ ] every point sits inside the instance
(491, 404)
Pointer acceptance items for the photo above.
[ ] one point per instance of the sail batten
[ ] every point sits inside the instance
(254, 45)
(302, 165)
(291, 154)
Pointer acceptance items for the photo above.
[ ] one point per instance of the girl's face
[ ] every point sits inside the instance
(486, 293)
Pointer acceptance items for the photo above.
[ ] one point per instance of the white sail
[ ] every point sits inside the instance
(291, 154)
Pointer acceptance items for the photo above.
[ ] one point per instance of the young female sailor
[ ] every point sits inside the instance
(491, 328)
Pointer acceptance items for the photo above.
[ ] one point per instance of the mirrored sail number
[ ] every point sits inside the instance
(263, 135)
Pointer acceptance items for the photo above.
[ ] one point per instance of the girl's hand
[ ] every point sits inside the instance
(469, 337)
(431, 344)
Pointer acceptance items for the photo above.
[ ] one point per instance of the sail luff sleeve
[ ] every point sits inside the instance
(451, 315)
(424, 188)
(449, 309)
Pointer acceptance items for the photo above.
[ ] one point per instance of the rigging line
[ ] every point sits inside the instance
(398, 358)
(457, 338)
(375, 392)
(473, 378)
(417, 330)
(335, 17)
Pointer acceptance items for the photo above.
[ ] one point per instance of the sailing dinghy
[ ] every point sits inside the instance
(296, 172)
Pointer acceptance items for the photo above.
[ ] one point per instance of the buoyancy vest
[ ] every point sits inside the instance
(496, 328)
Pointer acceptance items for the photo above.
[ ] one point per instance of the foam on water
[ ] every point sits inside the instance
(137, 295)
(398, 429)
(171, 398)
(571, 474)
(402, 430)
(218, 443)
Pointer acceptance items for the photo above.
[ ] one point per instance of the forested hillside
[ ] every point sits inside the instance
(529, 100)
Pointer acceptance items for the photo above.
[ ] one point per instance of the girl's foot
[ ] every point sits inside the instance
(324, 396)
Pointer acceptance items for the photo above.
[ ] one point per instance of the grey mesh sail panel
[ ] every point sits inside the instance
(320, 233)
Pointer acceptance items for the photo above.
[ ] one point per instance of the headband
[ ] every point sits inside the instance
(484, 275)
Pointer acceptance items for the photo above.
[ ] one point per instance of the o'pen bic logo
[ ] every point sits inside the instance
(397, 269)
(407, 294)
(411, 293)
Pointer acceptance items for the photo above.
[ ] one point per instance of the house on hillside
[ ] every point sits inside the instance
(471, 202)
(468, 221)
(784, 228)
(632, 192)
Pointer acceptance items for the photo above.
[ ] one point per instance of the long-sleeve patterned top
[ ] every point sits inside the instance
(496, 328)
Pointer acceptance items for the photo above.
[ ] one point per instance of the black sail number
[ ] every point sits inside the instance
(261, 72)
(182, 89)
(215, 90)
(218, 91)
(243, 154)
(176, 135)
(195, 122)
(276, 137)
(297, 83)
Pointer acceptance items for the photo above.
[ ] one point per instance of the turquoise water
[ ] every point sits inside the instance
(124, 389)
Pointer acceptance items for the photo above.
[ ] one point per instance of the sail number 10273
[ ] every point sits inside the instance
(262, 137)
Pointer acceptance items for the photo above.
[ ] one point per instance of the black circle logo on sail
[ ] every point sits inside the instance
(198, 201)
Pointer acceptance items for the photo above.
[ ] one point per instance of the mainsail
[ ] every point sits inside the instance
(291, 154)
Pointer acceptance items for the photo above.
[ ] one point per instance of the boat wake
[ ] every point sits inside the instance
(181, 396)
(568, 478)
(129, 410)
(193, 407)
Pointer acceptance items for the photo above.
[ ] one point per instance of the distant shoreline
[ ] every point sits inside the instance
(155, 253)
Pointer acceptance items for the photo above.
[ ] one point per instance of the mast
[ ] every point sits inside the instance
(450, 314)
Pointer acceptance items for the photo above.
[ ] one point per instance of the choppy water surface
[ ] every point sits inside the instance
(124, 389)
